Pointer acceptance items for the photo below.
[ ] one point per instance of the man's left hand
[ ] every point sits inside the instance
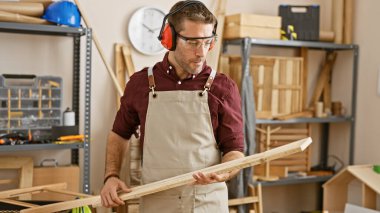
(202, 179)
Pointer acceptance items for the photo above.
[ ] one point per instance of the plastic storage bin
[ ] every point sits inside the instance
(29, 103)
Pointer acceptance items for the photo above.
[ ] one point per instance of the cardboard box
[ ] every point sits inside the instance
(50, 175)
(252, 25)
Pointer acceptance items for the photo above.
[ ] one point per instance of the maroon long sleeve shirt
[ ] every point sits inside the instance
(224, 102)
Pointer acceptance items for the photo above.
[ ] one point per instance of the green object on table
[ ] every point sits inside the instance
(376, 168)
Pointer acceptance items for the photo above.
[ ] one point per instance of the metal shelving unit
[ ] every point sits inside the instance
(247, 43)
(76, 34)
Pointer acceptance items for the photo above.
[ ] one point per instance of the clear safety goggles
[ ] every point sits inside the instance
(195, 43)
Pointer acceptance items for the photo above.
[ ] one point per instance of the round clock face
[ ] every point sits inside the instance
(144, 27)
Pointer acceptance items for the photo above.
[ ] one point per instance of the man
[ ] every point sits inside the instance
(189, 117)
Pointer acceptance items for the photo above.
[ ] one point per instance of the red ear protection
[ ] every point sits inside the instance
(169, 38)
(168, 35)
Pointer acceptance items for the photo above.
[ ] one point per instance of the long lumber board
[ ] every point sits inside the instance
(184, 179)
(17, 192)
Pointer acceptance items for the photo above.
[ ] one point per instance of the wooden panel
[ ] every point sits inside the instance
(237, 31)
(51, 175)
(254, 20)
(278, 83)
(368, 197)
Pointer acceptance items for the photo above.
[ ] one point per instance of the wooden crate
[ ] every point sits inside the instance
(252, 25)
(299, 162)
(52, 175)
(278, 84)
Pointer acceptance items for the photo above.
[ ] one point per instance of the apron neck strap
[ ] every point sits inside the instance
(210, 79)
(152, 84)
(206, 87)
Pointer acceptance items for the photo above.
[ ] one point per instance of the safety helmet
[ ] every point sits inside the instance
(63, 13)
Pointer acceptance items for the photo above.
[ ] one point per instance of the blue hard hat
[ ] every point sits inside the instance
(63, 13)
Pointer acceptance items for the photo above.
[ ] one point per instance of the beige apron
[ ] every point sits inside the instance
(179, 139)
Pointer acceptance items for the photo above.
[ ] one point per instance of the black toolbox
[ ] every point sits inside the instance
(305, 20)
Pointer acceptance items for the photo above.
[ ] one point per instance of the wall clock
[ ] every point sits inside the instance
(143, 29)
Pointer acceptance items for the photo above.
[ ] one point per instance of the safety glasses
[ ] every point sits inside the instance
(195, 43)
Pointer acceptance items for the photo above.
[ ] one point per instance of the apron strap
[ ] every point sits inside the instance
(206, 87)
(209, 81)
(152, 84)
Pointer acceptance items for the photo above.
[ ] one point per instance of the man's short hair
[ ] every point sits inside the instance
(196, 12)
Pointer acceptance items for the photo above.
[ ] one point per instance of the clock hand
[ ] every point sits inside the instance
(156, 28)
(150, 30)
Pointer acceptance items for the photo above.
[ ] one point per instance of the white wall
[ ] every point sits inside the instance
(109, 20)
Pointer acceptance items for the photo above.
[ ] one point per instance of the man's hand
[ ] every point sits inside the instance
(109, 192)
(202, 179)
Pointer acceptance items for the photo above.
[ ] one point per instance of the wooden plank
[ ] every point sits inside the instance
(17, 203)
(213, 56)
(288, 81)
(323, 76)
(127, 55)
(267, 91)
(7, 181)
(119, 71)
(260, 92)
(295, 95)
(276, 87)
(348, 21)
(327, 94)
(282, 94)
(304, 73)
(305, 114)
(242, 201)
(287, 137)
(184, 179)
(17, 192)
(293, 131)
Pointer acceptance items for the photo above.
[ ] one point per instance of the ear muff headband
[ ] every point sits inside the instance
(168, 35)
